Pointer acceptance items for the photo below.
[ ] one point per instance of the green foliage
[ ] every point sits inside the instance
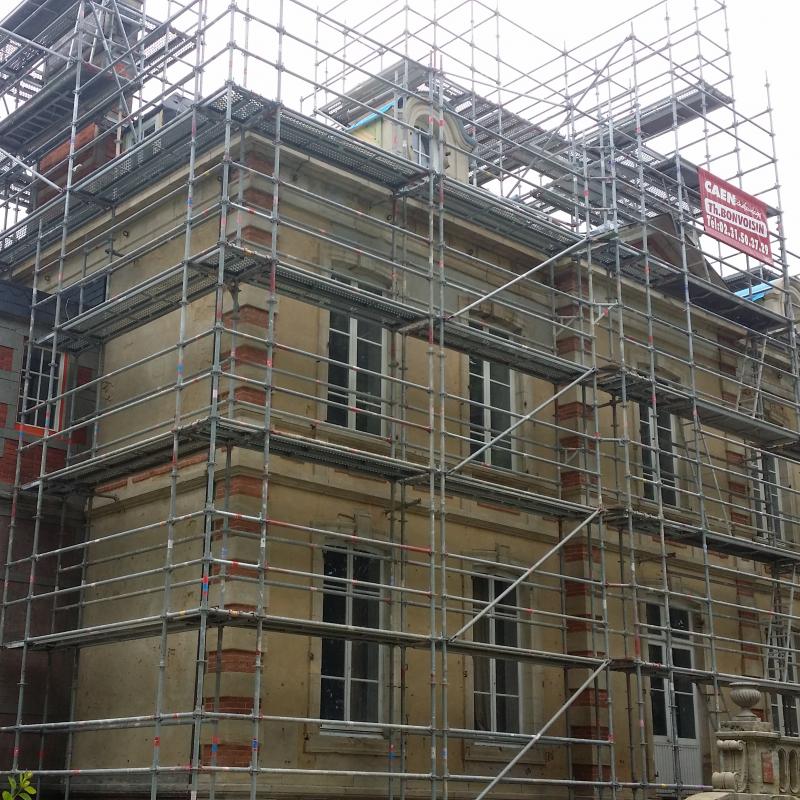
(20, 789)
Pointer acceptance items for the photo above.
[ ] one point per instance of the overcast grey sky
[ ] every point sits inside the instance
(762, 34)
(763, 37)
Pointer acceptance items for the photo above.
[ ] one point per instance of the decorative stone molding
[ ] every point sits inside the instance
(755, 762)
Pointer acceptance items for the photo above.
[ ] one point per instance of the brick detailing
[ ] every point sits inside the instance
(599, 732)
(31, 461)
(740, 518)
(572, 344)
(256, 235)
(61, 152)
(230, 704)
(576, 589)
(227, 755)
(3, 414)
(232, 661)
(247, 354)
(241, 484)
(84, 375)
(569, 310)
(734, 458)
(259, 198)
(582, 625)
(577, 443)
(165, 469)
(235, 526)
(232, 571)
(574, 479)
(6, 358)
(259, 162)
(246, 394)
(574, 410)
(734, 487)
(592, 697)
(109, 487)
(250, 315)
(54, 164)
(568, 283)
(580, 552)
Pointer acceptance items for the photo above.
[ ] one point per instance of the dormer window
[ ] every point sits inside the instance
(421, 147)
(424, 148)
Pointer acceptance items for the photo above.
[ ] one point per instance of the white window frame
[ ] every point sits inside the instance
(655, 484)
(779, 703)
(768, 490)
(677, 638)
(148, 127)
(492, 693)
(351, 390)
(347, 586)
(488, 456)
(56, 422)
(424, 148)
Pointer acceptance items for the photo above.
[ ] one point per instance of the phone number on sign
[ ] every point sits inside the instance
(740, 236)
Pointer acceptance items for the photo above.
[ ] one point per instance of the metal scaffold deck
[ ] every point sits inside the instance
(386, 398)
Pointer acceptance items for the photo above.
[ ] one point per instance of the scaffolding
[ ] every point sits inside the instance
(551, 477)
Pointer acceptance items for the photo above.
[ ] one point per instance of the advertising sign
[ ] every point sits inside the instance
(734, 217)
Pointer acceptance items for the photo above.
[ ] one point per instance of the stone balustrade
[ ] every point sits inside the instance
(754, 761)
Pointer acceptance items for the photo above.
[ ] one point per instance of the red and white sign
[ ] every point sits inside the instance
(734, 217)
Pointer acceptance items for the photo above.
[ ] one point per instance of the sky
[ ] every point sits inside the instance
(762, 40)
(762, 37)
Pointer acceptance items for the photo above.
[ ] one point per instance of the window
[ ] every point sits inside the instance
(496, 680)
(355, 388)
(657, 437)
(782, 666)
(421, 147)
(29, 417)
(679, 654)
(351, 670)
(768, 498)
(490, 408)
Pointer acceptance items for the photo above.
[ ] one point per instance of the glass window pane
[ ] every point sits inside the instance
(501, 454)
(363, 701)
(364, 660)
(507, 676)
(684, 715)
(681, 657)
(483, 711)
(336, 566)
(505, 633)
(370, 331)
(367, 568)
(653, 615)
(789, 715)
(339, 322)
(655, 653)
(499, 373)
(332, 699)
(658, 709)
(480, 591)
(508, 714)
(679, 620)
(368, 356)
(366, 612)
(481, 673)
(333, 658)
(500, 396)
